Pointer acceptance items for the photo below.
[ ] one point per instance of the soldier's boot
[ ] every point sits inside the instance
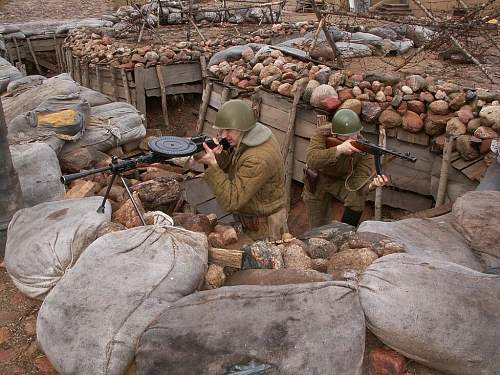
(351, 217)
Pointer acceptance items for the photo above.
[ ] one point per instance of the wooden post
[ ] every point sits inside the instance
(125, 85)
(9, 54)
(163, 91)
(382, 141)
(316, 34)
(224, 96)
(288, 148)
(18, 52)
(207, 93)
(445, 166)
(98, 78)
(78, 72)
(139, 78)
(116, 93)
(85, 75)
(32, 51)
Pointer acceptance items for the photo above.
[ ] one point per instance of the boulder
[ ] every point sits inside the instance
(355, 260)
(157, 194)
(215, 277)
(370, 111)
(439, 107)
(491, 115)
(352, 104)
(262, 254)
(295, 257)
(416, 106)
(320, 93)
(484, 132)
(412, 122)
(466, 148)
(127, 215)
(390, 119)
(436, 124)
(455, 127)
(193, 222)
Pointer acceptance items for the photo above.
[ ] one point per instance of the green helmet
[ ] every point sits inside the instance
(346, 122)
(235, 114)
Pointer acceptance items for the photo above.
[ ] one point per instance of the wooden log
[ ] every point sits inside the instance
(164, 107)
(204, 106)
(382, 140)
(125, 85)
(139, 75)
(30, 47)
(288, 147)
(225, 257)
(445, 166)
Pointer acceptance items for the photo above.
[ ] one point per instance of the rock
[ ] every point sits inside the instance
(388, 91)
(153, 173)
(484, 132)
(311, 86)
(449, 87)
(465, 114)
(436, 124)
(426, 97)
(416, 82)
(457, 102)
(352, 104)
(440, 95)
(215, 277)
(83, 158)
(390, 118)
(370, 111)
(301, 82)
(289, 76)
(363, 97)
(491, 114)
(416, 106)
(262, 254)
(321, 92)
(345, 94)
(193, 222)
(275, 86)
(330, 103)
(470, 95)
(386, 361)
(117, 193)
(455, 127)
(356, 260)
(488, 95)
(127, 215)
(285, 89)
(396, 101)
(473, 125)
(323, 76)
(247, 54)
(320, 248)
(377, 86)
(275, 277)
(335, 232)
(380, 244)
(257, 68)
(295, 257)
(365, 85)
(319, 264)
(356, 90)
(386, 78)
(439, 107)
(412, 122)
(380, 96)
(406, 90)
(337, 78)
(268, 71)
(466, 148)
(228, 234)
(151, 56)
(403, 107)
(269, 80)
(82, 189)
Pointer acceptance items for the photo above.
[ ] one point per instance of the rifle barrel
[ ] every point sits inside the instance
(382, 150)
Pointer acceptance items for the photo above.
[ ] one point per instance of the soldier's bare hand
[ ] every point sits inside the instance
(209, 157)
(346, 147)
(219, 148)
(379, 181)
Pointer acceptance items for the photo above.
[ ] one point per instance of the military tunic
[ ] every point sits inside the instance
(344, 177)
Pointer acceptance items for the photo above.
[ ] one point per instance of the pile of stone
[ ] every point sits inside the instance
(415, 103)
(99, 46)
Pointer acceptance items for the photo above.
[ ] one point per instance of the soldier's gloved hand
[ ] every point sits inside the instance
(209, 157)
(346, 148)
(379, 181)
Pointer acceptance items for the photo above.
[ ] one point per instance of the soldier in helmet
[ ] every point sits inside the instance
(341, 172)
(248, 179)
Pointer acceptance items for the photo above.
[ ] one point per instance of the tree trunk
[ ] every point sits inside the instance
(11, 197)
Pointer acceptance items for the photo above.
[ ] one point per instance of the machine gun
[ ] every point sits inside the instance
(370, 148)
(162, 148)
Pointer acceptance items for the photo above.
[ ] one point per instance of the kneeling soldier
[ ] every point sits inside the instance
(248, 179)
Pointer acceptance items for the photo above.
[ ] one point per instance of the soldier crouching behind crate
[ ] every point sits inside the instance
(248, 179)
(340, 172)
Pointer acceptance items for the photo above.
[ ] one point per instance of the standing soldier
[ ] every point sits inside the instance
(248, 179)
(341, 172)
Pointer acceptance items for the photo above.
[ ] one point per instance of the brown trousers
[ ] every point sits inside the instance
(271, 227)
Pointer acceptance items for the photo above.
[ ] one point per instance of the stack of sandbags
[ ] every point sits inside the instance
(90, 323)
(8, 73)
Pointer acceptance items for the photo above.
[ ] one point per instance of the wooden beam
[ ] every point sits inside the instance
(445, 166)
(98, 78)
(85, 75)
(30, 47)
(382, 141)
(225, 257)
(164, 107)
(125, 85)
(116, 94)
(17, 49)
(204, 106)
(139, 79)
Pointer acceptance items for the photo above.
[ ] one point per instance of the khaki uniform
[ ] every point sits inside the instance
(250, 182)
(344, 177)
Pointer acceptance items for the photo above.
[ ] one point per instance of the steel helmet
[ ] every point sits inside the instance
(346, 122)
(235, 114)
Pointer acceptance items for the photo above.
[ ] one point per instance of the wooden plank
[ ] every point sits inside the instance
(125, 86)
(98, 76)
(404, 200)
(173, 75)
(225, 257)
(476, 170)
(78, 71)
(417, 138)
(164, 108)
(462, 164)
(33, 54)
(431, 212)
(47, 64)
(184, 88)
(139, 75)
(85, 75)
(114, 82)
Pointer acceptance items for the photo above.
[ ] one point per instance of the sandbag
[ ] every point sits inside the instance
(30, 99)
(315, 328)
(442, 315)
(110, 125)
(94, 98)
(477, 217)
(38, 169)
(88, 22)
(430, 239)
(25, 83)
(45, 241)
(91, 321)
(8, 73)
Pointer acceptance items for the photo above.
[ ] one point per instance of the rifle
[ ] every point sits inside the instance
(162, 148)
(371, 148)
